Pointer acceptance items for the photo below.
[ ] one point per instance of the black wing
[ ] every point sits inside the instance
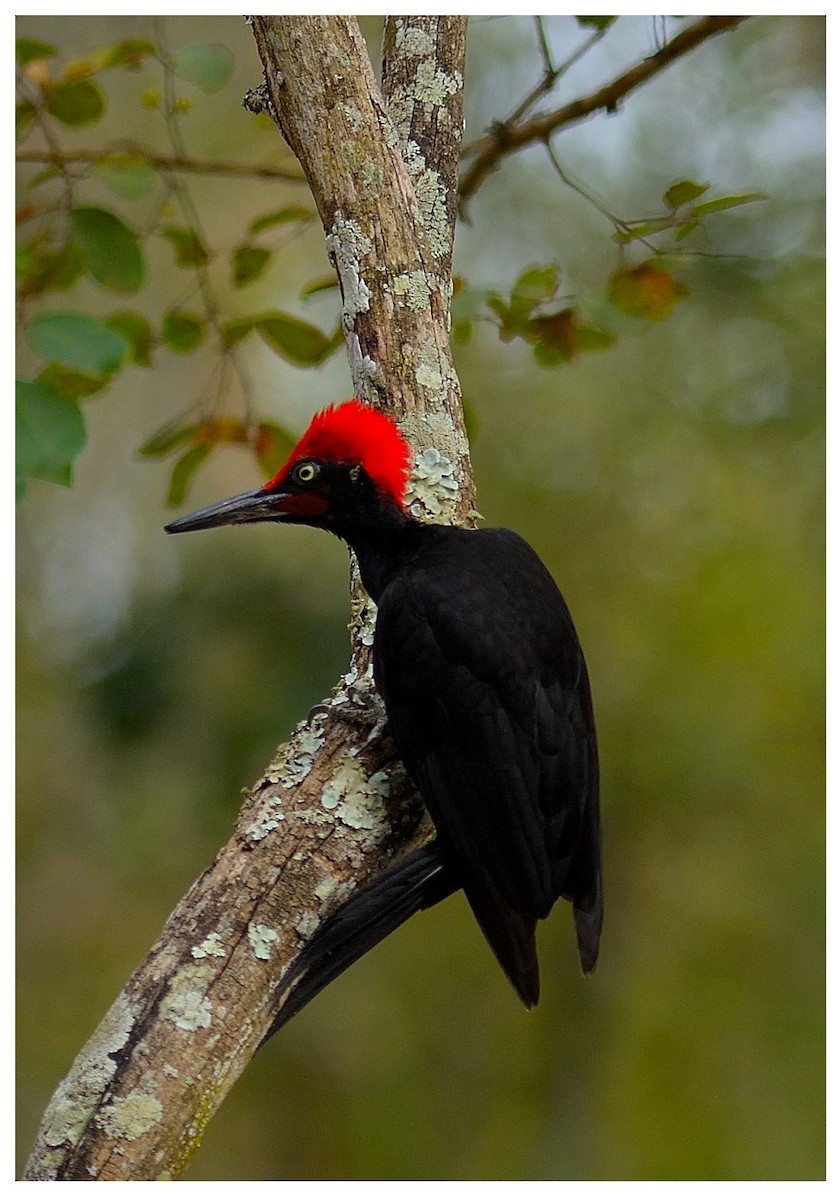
(486, 689)
(419, 880)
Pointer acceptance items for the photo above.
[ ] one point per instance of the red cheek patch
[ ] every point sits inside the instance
(305, 504)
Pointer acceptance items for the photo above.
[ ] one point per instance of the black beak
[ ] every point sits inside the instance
(235, 510)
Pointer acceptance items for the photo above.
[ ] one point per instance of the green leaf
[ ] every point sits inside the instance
(281, 216)
(128, 53)
(188, 248)
(724, 202)
(596, 22)
(324, 284)
(29, 50)
(248, 263)
(48, 270)
(533, 287)
(207, 65)
(686, 229)
(50, 432)
(114, 256)
(183, 473)
(550, 356)
(684, 192)
(77, 103)
(128, 175)
(295, 340)
(173, 434)
(75, 384)
(508, 327)
(77, 340)
(182, 332)
(76, 69)
(234, 332)
(137, 332)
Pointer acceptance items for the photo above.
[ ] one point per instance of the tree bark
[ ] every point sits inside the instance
(334, 806)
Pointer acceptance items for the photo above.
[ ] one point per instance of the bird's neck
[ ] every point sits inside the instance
(379, 544)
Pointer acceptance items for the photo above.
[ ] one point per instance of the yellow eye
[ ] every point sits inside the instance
(305, 472)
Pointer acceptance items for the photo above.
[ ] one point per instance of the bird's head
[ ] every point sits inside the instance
(350, 467)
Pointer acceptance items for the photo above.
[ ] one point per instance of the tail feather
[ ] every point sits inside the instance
(511, 935)
(587, 914)
(419, 880)
(415, 882)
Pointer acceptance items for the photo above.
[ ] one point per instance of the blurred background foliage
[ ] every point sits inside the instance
(674, 484)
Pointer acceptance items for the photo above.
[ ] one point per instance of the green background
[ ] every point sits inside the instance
(674, 486)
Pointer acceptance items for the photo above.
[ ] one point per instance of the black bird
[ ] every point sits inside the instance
(486, 690)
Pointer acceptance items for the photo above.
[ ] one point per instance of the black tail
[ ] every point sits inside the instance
(417, 881)
(511, 935)
(587, 913)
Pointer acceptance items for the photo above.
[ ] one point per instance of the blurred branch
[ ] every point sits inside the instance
(507, 137)
(552, 75)
(175, 187)
(334, 806)
(160, 162)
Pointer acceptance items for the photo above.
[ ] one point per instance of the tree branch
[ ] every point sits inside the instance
(334, 807)
(487, 152)
(160, 162)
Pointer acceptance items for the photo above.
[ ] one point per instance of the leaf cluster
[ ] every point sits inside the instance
(66, 242)
(683, 216)
(536, 311)
(555, 329)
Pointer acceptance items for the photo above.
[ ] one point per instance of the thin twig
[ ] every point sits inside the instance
(489, 150)
(543, 43)
(161, 162)
(552, 75)
(620, 224)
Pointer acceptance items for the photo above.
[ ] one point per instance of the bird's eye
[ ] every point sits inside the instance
(305, 472)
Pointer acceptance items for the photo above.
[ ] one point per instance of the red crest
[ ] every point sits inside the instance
(355, 433)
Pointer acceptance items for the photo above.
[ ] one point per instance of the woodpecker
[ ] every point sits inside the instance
(487, 695)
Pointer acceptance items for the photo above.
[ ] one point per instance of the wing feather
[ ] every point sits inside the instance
(486, 690)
